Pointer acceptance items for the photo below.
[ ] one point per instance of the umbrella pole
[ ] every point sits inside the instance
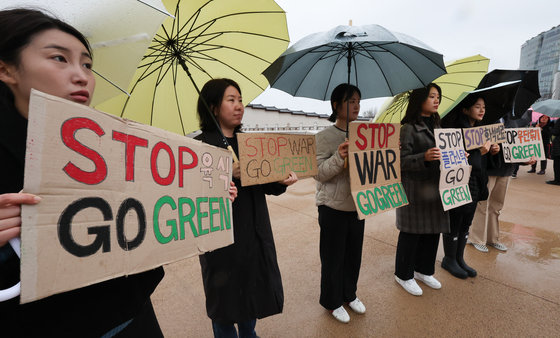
(349, 58)
(226, 143)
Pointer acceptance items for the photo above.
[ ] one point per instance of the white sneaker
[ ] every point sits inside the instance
(410, 286)
(480, 247)
(357, 306)
(341, 315)
(498, 246)
(428, 280)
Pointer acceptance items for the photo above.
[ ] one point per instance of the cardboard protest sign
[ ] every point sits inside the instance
(118, 198)
(455, 169)
(523, 144)
(269, 157)
(476, 137)
(375, 167)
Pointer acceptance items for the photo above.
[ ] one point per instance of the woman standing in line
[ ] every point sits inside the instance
(342, 233)
(546, 126)
(485, 227)
(472, 112)
(555, 153)
(241, 281)
(41, 52)
(423, 219)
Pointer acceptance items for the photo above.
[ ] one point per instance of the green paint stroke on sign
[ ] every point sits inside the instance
(381, 198)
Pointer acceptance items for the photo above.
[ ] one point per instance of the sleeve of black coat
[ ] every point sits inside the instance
(556, 129)
(274, 188)
(495, 161)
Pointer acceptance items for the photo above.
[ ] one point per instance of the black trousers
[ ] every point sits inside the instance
(460, 218)
(340, 248)
(416, 252)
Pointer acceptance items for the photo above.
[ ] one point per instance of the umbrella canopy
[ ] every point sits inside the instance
(548, 107)
(119, 33)
(528, 92)
(207, 39)
(498, 99)
(462, 75)
(376, 60)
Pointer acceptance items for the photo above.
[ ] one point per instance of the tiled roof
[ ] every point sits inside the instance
(294, 112)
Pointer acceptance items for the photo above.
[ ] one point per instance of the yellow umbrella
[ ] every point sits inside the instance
(207, 39)
(462, 75)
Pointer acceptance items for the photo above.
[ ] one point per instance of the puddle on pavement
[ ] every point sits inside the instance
(531, 244)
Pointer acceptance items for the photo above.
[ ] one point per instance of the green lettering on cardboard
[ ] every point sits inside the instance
(225, 214)
(201, 215)
(187, 218)
(360, 206)
(211, 212)
(171, 222)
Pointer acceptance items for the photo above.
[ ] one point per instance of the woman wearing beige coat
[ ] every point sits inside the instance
(342, 233)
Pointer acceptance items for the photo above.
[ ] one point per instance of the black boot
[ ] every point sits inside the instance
(449, 262)
(461, 242)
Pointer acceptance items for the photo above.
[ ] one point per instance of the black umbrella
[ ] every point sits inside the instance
(499, 101)
(527, 93)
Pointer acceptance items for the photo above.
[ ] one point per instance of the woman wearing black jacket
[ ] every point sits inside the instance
(472, 112)
(546, 126)
(555, 153)
(37, 51)
(241, 281)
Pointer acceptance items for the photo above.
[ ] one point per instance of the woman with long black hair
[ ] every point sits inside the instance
(41, 52)
(423, 219)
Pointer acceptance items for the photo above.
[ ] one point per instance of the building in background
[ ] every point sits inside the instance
(543, 53)
(269, 119)
(259, 118)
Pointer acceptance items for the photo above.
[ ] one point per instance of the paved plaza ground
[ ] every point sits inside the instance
(516, 294)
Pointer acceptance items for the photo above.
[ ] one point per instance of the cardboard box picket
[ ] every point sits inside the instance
(118, 198)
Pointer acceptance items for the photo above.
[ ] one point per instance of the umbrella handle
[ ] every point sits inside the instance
(235, 159)
(14, 290)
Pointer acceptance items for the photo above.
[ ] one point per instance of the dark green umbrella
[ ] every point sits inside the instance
(378, 61)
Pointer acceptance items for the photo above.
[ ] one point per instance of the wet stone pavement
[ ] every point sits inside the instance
(516, 294)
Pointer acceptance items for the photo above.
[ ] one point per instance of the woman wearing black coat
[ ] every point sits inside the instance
(555, 153)
(546, 126)
(472, 111)
(41, 52)
(241, 281)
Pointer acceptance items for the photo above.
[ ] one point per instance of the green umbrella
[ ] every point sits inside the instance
(376, 60)
(462, 75)
(206, 39)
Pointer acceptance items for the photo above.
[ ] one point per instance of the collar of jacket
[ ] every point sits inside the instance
(421, 126)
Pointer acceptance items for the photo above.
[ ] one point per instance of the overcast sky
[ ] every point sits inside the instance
(495, 29)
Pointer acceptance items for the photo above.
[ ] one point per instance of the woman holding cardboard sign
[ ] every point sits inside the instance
(38, 51)
(241, 281)
(472, 110)
(342, 233)
(420, 222)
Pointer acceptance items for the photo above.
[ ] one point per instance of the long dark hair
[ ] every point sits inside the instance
(457, 118)
(17, 28)
(470, 101)
(415, 101)
(213, 93)
(342, 92)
